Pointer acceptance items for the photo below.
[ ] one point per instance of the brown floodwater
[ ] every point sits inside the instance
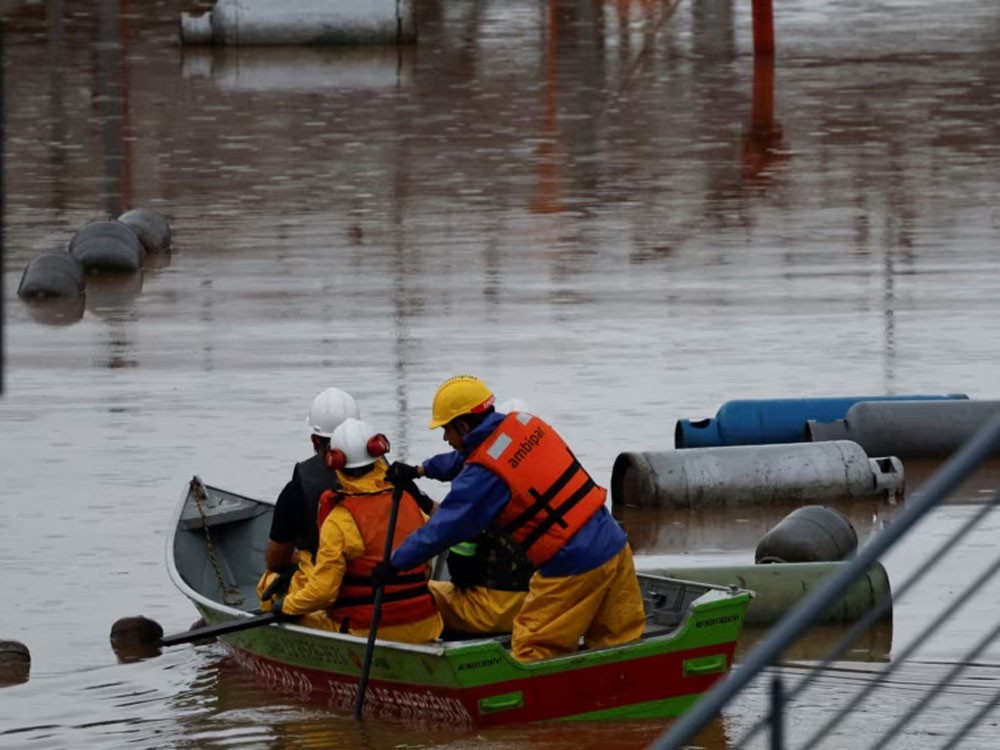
(601, 208)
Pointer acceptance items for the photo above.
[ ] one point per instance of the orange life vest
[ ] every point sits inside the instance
(405, 600)
(551, 495)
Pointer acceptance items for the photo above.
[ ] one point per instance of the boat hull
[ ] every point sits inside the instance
(691, 637)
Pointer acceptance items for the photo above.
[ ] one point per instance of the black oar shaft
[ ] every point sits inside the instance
(221, 628)
(397, 494)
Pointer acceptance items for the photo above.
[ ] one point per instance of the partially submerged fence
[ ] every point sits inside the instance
(784, 694)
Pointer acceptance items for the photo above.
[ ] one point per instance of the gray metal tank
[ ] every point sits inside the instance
(733, 476)
(812, 533)
(259, 22)
(907, 429)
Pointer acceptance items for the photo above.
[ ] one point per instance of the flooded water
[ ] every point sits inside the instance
(600, 208)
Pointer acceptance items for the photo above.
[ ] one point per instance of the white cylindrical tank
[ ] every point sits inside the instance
(734, 476)
(908, 429)
(255, 22)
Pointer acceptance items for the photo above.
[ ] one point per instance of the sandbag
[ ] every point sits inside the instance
(52, 273)
(812, 533)
(108, 246)
(150, 227)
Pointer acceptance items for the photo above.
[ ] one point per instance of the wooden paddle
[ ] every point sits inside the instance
(397, 495)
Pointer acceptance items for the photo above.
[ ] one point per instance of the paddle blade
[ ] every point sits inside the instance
(135, 638)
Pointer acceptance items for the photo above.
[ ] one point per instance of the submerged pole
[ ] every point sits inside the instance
(3, 206)
(763, 28)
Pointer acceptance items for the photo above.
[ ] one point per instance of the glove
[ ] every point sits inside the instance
(279, 584)
(278, 608)
(400, 473)
(384, 572)
(465, 571)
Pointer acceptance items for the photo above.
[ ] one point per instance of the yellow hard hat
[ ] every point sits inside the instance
(462, 394)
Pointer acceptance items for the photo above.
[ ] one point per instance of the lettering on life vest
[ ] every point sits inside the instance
(526, 447)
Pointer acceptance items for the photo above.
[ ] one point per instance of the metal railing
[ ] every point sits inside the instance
(763, 658)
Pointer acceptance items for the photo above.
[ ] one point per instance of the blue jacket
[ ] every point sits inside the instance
(476, 498)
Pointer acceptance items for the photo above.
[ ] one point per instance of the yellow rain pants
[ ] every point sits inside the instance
(477, 610)
(604, 605)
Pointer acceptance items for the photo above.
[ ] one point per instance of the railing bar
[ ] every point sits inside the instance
(946, 614)
(946, 479)
(883, 604)
(932, 691)
(777, 714)
(973, 721)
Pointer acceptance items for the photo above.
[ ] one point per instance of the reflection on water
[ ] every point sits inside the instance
(874, 644)
(692, 531)
(605, 209)
(301, 69)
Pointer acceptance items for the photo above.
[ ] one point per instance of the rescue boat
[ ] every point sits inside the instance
(214, 556)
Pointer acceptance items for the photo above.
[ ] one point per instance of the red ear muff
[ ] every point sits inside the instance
(335, 459)
(378, 445)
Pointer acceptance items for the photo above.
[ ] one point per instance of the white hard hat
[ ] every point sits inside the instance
(357, 443)
(512, 404)
(329, 409)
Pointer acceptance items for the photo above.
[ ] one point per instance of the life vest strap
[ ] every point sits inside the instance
(387, 596)
(401, 579)
(542, 500)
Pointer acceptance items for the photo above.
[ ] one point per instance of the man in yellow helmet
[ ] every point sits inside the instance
(521, 478)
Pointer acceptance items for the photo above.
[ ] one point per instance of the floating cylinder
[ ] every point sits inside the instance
(914, 429)
(779, 587)
(151, 227)
(812, 533)
(734, 476)
(52, 273)
(258, 22)
(759, 422)
(108, 246)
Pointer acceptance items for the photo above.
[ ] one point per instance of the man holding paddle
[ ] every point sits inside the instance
(520, 476)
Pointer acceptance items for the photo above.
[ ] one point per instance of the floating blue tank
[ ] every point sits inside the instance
(780, 420)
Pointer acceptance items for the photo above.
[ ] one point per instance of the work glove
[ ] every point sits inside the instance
(465, 571)
(279, 584)
(278, 608)
(400, 473)
(384, 572)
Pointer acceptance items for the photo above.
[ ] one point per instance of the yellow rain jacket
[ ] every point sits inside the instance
(340, 540)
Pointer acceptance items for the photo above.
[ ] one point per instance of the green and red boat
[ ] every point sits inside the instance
(214, 556)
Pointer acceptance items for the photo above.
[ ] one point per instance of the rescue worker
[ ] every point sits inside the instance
(488, 575)
(353, 523)
(520, 477)
(293, 525)
(294, 536)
